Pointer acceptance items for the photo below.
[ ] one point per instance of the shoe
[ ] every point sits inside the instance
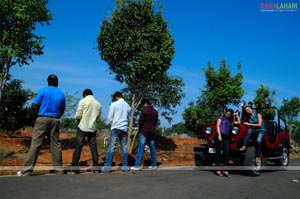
(59, 172)
(95, 171)
(20, 173)
(106, 169)
(137, 168)
(125, 168)
(72, 172)
(153, 167)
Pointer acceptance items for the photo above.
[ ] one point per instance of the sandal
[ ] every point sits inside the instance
(243, 148)
(226, 174)
(219, 173)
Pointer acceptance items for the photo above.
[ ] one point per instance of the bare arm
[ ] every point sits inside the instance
(259, 117)
(238, 121)
(218, 129)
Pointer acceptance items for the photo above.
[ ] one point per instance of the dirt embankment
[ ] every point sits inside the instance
(170, 151)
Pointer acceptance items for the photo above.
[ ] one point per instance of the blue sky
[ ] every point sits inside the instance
(266, 43)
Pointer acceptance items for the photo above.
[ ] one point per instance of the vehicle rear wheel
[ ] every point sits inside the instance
(285, 157)
(253, 167)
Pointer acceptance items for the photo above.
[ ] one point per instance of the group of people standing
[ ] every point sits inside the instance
(50, 104)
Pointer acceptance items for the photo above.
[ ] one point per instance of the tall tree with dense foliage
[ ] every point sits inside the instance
(290, 111)
(295, 128)
(261, 94)
(15, 113)
(138, 47)
(222, 89)
(18, 41)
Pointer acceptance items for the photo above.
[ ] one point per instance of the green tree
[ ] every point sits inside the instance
(18, 41)
(14, 112)
(197, 115)
(137, 45)
(179, 129)
(68, 120)
(71, 104)
(263, 93)
(222, 89)
(68, 123)
(296, 131)
(290, 111)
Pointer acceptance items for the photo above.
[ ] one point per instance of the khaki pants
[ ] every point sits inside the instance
(50, 127)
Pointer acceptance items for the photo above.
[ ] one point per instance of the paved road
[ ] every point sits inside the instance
(187, 183)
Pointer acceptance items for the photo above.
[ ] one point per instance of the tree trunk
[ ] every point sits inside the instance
(130, 128)
(290, 130)
(4, 74)
(3, 78)
(133, 138)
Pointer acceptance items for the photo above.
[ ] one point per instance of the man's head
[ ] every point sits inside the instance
(87, 92)
(117, 95)
(145, 102)
(52, 80)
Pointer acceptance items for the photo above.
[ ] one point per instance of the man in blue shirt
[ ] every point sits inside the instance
(51, 104)
(118, 118)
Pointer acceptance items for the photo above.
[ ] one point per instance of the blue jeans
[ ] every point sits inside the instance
(114, 135)
(260, 135)
(142, 142)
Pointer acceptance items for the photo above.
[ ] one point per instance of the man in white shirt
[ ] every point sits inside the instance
(88, 114)
(118, 118)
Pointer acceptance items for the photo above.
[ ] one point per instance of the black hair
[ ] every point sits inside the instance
(145, 101)
(246, 116)
(230, 110)
(250, 104)
(231, 113)
(52, 80)
(117, 94)
(87, 92)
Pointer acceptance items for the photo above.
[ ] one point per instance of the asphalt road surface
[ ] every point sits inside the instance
(162, 183)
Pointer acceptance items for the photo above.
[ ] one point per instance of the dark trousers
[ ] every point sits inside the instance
(80, 138)
(224, 146)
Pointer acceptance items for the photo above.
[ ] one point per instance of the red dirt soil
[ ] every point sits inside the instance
(174, 151)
